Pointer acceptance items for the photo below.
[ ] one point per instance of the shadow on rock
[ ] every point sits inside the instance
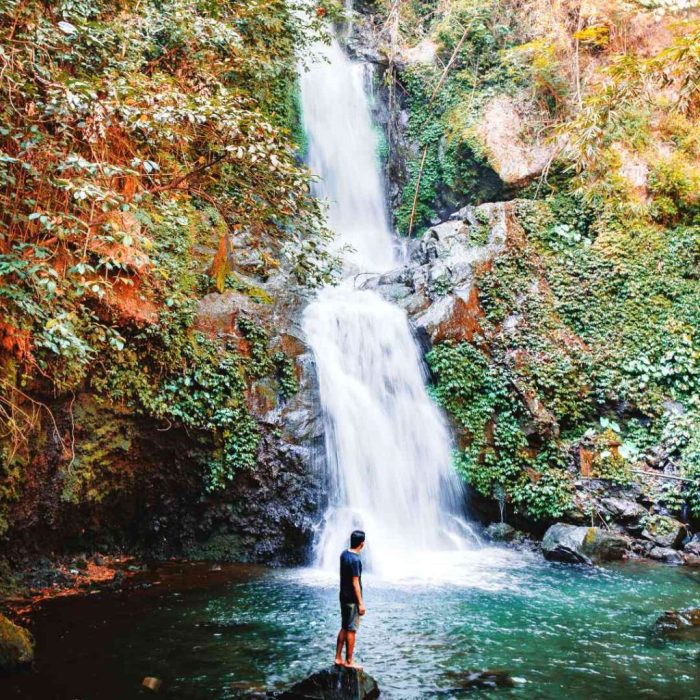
(334, 683)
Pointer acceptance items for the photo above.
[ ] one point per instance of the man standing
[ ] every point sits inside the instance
(351, 603)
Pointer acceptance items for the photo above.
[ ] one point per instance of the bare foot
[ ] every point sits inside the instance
(352, 664)
(339, 662)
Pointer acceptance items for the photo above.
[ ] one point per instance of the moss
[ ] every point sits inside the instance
(16, 646)
(222, 546)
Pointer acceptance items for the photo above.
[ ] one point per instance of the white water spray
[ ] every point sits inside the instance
(388, 448)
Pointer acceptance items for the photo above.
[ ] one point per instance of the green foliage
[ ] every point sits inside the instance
(681, 436)
(497, 459)
(286, 375)
(136, 137)
(443, 108)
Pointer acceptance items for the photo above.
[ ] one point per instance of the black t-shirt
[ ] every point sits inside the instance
(350, 566)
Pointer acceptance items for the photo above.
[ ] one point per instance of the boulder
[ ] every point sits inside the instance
(603, 545)
(679, 624)
(664, 531)
(624, 511)
(515, 156)
(500, 532)
(693, 547)
(574, 544)
(334, 683)
(564, 543)
(455, 317)
(666, 555)
(16, 646)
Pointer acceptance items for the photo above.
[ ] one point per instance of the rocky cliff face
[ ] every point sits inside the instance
(136, 484)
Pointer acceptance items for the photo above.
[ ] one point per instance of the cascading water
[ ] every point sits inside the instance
(388, 448)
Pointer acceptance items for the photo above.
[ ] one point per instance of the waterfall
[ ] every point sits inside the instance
(388, 447)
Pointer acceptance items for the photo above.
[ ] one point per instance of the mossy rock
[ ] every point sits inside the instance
(221, 546)
(601, 545)
(664, 531)
(16, 646)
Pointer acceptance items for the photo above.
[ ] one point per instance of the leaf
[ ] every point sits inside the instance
(67, 27)
(220, 266)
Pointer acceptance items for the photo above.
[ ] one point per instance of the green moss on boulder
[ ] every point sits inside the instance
(16, 646)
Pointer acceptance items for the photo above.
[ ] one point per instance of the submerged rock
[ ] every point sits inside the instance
(679, 624)
(501, 532)
(573, 544)
(483, 679)
(334, 683)
(16, 646)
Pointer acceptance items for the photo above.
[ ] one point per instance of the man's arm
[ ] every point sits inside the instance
(358, 594)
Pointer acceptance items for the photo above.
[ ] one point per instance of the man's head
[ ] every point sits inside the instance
(357, 539)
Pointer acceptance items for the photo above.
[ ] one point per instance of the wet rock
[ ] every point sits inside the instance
(16, 646)
(488, 679)
(666, 555)
(625, 511)
(218, 313)
(664, 531)
(334, 683)
(564, 543)
(693, 547)
(583, 545)
(602, 545)
(152, 683)
(500, 532)
(679, 624)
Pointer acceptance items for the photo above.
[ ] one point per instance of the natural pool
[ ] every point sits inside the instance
(563, 632)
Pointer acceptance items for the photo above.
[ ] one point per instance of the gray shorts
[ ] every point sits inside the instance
(350, 616)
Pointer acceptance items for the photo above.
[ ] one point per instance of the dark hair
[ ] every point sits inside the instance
(357, 538)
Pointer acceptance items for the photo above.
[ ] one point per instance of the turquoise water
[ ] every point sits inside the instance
(562, 632)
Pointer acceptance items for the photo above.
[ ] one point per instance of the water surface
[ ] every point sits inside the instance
(561, 631)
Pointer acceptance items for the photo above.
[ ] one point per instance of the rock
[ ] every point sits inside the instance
(483, 679)
(574, 544)
(564, 543)
(152, 683)
(515, 158)
(693, 547)
(423, 53)
(664, 531)
(334, 683)
(679, 624)
(666, 555)
(500, 532)
(218, 313)
(16, 646)
(625, 511)
(455, 317)
(602, 545)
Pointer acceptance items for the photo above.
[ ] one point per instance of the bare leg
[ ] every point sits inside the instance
(350, 648)
(339, 647)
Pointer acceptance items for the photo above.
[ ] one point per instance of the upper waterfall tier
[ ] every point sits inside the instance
(342, 150)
